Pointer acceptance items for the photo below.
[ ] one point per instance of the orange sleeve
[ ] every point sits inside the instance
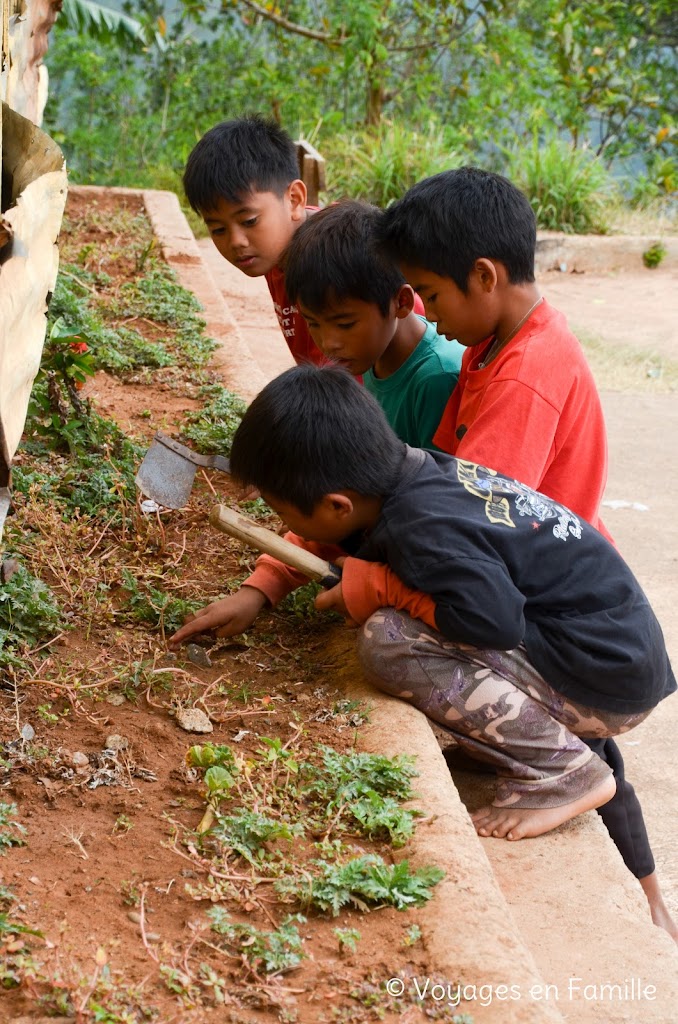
(367, 586)
(276, 580)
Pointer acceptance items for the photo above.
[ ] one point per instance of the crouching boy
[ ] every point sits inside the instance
(493, 609)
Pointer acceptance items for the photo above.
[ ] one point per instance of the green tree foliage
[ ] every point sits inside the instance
(473, 77)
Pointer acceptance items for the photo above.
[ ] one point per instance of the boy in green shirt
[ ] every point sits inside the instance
(360, 313)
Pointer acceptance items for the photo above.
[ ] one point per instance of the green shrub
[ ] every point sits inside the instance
(659, 182)
(654, 255)
(568, 188)
(380, 164)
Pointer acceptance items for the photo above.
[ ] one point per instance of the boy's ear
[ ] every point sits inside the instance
(339, 505)
(296, 194)
(485, 273)
(404, 301)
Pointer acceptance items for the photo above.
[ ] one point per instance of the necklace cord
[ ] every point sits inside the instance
(497, 345)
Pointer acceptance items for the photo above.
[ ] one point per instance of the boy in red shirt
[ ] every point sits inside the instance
(242, 178)
(526, 403)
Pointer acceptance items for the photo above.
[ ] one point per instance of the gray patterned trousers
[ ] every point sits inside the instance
(496, 706)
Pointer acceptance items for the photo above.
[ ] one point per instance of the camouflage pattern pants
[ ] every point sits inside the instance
(496, 706)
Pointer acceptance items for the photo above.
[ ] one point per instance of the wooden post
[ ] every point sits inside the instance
(311, 170)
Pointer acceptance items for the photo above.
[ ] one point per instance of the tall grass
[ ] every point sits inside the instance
(380, 164)
(569, 189)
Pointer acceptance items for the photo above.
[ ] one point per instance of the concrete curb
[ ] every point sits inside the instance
(468, 928)
(599, 254)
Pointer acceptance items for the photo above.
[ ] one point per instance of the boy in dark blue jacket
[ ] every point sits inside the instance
(492, 608)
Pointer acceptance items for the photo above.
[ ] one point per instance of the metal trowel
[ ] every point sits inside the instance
(168, 469)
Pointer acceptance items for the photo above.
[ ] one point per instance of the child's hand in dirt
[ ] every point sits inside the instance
(226, 617)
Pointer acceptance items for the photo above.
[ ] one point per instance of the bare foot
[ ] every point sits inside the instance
(521, 823)
(658, 909)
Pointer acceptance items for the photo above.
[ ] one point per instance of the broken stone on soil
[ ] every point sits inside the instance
(116, 742)
(198, 656)
(194, 720)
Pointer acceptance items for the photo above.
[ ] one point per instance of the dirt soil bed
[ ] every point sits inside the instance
(113, 875)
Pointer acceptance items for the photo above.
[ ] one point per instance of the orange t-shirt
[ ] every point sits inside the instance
(533, 414)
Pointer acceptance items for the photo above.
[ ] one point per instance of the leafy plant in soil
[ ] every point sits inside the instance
(247, 831)
(118, 350)
(98, 479)
(29, 615)
(157, 296)
(211, 428)
(147, 604)
(11, 832)
(362, 881)
(273, 952)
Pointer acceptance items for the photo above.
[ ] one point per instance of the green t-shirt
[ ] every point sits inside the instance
(414, 397)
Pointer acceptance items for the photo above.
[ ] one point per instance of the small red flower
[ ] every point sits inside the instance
(79, 347)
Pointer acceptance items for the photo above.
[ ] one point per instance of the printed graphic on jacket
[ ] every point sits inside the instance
(493, 489)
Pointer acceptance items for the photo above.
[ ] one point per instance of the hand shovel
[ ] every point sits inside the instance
(167, 472)
(247, 532)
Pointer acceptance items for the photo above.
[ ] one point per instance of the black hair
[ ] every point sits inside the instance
(313, 431)
(333, 256)
(238, 157)
(446, 222)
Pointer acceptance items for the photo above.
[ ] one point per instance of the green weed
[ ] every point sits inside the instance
(361, 882)
(29, 614)
(156, 608)
(348, 939)
(654, 255)
(11, 832)
(247, 832)
(157, 296)
(412, 935)
(211, 428)
(117, 350)
(273, 952)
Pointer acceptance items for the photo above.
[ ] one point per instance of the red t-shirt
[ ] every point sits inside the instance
(292, 323)
(533, 414)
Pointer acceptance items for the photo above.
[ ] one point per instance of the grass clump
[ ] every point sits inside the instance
(569, 189)
(654, 255)
(380, 164)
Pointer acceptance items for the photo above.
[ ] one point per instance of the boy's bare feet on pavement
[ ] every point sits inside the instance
(523, 823)
(661, 915)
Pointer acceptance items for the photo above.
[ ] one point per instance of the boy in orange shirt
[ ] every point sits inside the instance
(526, 403)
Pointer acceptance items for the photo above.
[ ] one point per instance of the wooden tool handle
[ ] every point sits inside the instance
(243, 529)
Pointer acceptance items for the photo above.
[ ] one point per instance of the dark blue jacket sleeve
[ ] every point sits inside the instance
(476, 602)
